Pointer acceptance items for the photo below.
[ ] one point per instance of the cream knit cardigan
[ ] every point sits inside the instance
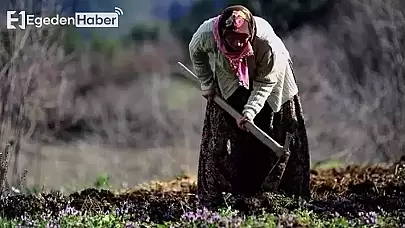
(272, 76)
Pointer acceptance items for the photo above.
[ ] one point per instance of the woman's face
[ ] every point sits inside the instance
(237, 41)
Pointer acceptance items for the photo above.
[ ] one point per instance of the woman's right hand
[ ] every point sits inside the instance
(209, 94)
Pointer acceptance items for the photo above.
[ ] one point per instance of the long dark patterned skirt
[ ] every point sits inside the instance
(234, 161)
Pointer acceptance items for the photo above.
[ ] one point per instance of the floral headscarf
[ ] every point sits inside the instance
(234, 31)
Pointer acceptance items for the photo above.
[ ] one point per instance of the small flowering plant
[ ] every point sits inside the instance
(369, 218)
(206, 218)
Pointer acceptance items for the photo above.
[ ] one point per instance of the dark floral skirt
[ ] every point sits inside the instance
(234, 161)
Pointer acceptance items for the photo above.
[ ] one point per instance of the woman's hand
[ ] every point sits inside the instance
(242, 122)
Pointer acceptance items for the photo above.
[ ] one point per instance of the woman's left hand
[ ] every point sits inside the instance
(242, 122)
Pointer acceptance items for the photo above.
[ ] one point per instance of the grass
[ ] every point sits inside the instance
(81, 164)
(328, 164)
(225, 217)
(179, 93)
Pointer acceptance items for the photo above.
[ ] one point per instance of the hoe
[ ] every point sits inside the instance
(275, 175)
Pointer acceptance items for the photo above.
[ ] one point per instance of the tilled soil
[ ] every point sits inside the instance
(345, 191)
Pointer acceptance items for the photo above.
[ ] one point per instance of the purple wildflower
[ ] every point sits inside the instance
(231, 221)
(123, 209)
(130, 225)
(286, 220)
(52, 224)
(69, 211)
(369, 218)
(207, 217)
(201, 215)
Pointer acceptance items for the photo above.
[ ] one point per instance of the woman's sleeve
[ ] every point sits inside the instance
(270, 65)
(198, 48)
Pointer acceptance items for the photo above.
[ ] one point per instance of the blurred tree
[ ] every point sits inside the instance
(72, 40)
(283, 15)
(184, 27)
(105, 46)
(6, 37)
(288, 15)
(178, 10)
(140, 33)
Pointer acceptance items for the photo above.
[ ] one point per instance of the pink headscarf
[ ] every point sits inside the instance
(237, 60)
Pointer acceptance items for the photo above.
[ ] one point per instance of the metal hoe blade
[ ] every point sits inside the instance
(272, 181)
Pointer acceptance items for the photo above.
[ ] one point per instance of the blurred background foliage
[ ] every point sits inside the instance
(121, 90)
(183, 20)
(284, 16)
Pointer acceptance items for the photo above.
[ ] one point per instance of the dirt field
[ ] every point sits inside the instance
(344, 191)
